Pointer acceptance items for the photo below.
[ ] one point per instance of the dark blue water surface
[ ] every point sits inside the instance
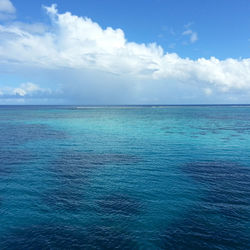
(145, 177)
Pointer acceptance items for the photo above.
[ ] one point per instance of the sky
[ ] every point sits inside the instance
(124, 52)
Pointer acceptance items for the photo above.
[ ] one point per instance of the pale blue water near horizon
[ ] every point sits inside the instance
(129, 177)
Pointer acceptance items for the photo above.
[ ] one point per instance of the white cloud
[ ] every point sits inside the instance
(193, 35)
(34, 28)
(208, 91)
(7, 7)
(7, 10)
(18, 91)
(78, 43)
(187, 32)
(25, 89)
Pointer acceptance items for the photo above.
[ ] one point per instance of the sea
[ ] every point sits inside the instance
(125, 177)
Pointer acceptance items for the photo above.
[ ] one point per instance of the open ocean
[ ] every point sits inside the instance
(130, 177)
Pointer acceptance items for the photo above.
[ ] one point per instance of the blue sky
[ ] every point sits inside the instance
(124, 52)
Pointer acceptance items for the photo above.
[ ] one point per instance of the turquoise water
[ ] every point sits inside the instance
(164, 177)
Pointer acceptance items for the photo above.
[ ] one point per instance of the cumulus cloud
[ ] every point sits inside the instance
(78, 44)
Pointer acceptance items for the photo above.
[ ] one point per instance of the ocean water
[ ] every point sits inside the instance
(142, 177)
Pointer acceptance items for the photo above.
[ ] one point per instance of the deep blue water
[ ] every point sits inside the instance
(163, 177)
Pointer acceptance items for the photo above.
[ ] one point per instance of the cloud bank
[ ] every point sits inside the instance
(95, 64)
